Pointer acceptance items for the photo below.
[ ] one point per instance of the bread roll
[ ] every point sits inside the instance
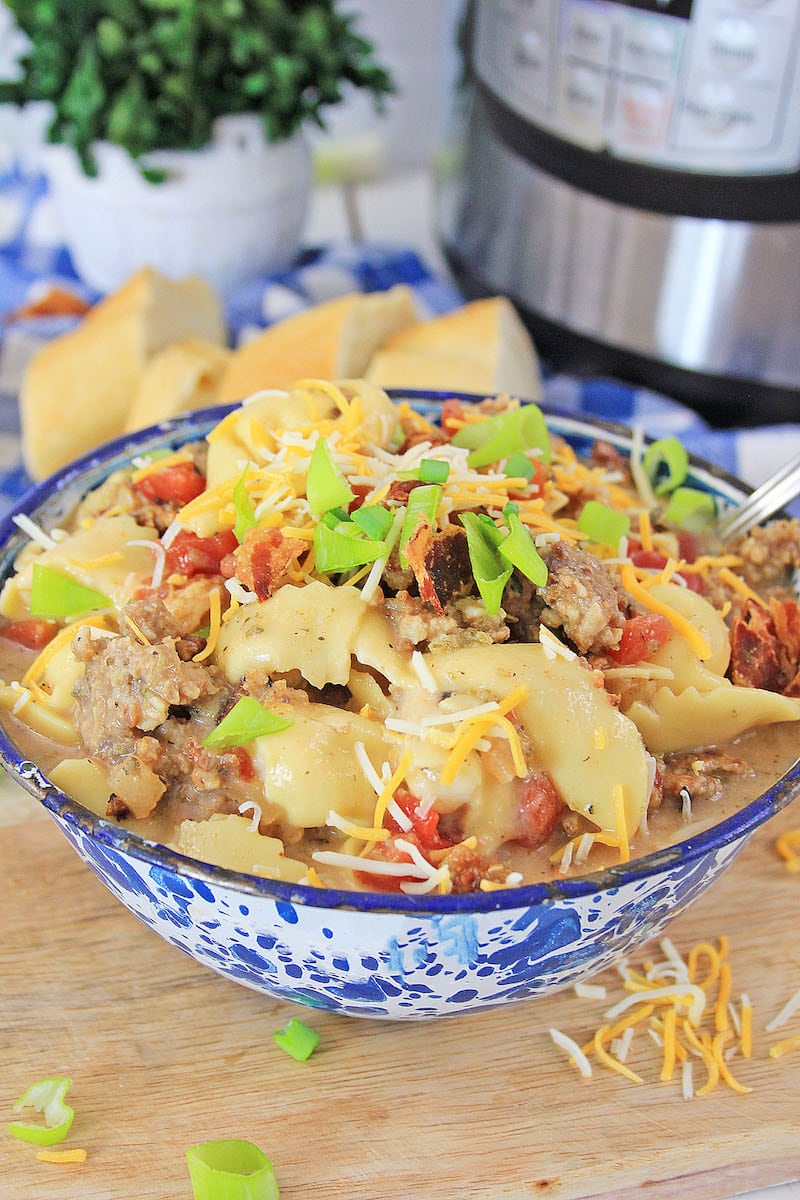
(335, 340)
(77, 390)
(183, 376)
(483, 347)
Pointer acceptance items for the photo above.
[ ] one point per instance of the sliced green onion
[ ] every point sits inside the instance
(489, 569)
(509, 508)
(422, 502)
(245, 513)
(489, 530)
(335, 517)
(520, 551)
(153, 456)
(326, 486)
(46, 1097)
(296, 1039)
(434, 470)
(374, 520)
(666, 453)
(231, 1169)
(603, 524)
(519, 466)
(55, 595)
(690, 509)
(501, 436)
(337, 550)
(247, 720)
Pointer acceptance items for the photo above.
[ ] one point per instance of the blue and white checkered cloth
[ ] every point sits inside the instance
(32, 258)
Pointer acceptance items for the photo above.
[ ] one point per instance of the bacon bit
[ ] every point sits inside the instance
(765, 647)
(440, 562)
(401, 489)
(452, 416)
(55, 302)
(264, 558)
(540, 808)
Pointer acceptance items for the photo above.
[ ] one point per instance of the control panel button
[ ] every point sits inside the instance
(582, 102)
(734, 44)
(589, 31)
(641, 112)
(650, 46)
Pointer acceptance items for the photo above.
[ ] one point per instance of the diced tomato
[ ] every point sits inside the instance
(389, 851)
(641, 636)
(192, 555)
(687, 546)
(651, 560)
(179, 484)
(425, 825)
(34, 633)
(540, 806)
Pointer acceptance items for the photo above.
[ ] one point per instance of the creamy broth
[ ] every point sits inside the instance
(499, 693)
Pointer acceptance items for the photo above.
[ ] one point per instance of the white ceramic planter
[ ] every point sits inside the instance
(227, 212)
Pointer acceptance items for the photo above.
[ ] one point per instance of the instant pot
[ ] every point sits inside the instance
(629, 175)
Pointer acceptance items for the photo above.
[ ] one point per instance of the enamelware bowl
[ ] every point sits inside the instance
(368, 954)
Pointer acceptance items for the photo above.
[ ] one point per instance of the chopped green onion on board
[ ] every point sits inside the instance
(45, 1097)
(231, 1169)
(296, 1039)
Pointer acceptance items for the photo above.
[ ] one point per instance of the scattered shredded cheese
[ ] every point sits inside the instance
(34, 531)
(77, 1155)
(255, 809)
(573, 1050)
(676, 619)
(215, 624)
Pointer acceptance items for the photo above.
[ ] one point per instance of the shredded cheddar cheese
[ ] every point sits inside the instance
(476, 727)
(652, 604)
(739, 585)
(77, 1155)
(788, 847)
(682, 1019)
(215, 624)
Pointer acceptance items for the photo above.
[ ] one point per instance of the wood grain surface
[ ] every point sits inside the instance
(163, 1053)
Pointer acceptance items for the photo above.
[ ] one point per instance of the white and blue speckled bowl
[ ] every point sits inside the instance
(372, 955)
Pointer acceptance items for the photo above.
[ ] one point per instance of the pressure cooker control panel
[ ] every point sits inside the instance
(704, 85)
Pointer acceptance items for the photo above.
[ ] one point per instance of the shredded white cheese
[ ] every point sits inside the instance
(573, 1050)
(34, 531)
(251, 806)
(786, 1013)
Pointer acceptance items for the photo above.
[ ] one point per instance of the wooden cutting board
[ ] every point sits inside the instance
(163, 1053)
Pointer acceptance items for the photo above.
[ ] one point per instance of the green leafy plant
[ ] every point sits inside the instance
(155, 74)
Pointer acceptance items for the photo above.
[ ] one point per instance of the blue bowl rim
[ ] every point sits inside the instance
(736, 828)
